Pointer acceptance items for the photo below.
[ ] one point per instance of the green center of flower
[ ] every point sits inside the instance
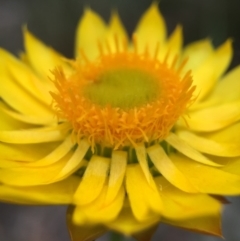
(123, 88)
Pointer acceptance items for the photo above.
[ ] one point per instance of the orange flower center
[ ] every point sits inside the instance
(122, 98)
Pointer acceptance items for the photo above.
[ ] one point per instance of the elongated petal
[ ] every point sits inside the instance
(25, 152)
(142, 158)
(178, 205)
(116, 33)
(25, 77)
(127, 224)
(197, 53)
(212, 118)
(90, 31)
(144, 199)
(117, 174)
(233, 166)
(7, 123)
(42, 58)
(228, 134)
(168, 169)
(151, 29)
(39, 135)
(228, 89)
(186, 149)
(206, 225)
(18, 97)
(32, 176)
(208, 179)
(34, 120)
(56, 154)
(93, 180)
(206, 76)
(97, 211)
(56, 193)
(75, 162)
(174, 44)
(206, 145)
(85, 232)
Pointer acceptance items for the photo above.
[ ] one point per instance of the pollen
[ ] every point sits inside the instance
(123, 97)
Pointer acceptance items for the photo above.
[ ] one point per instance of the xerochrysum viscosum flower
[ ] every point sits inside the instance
(134, 143)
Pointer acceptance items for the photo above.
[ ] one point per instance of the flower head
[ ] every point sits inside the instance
(130, 133)
(123, 97)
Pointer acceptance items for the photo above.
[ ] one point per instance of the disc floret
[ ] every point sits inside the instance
(122, 98)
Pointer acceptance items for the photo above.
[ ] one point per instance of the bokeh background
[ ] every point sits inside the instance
(54, 22)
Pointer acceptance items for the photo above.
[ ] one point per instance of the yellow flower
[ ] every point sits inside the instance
(130, 134)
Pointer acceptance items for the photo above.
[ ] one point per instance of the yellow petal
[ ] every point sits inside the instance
(97, 211)
(212, 118)
(7, 123)
(116, 33)
(91, 30)
(18, 97)
(228, 134)
(36, 120)
(42, 58)
(25, 152)
(75, 162)
(56, 154)
(56, 193)
(144, 199)
(85, 232)
(197, 53)
(142, 159)
(127, 224)
(117, 174)
(39, 135)
(206, 145)
(25, 77)
(174, 44)
(208, 179)
(206, 76)
(32, 176)
(233, 166)
(151, 29)
(178, 205)
(206, 225)
(168, 169)
(186, 148)
(228, 89)
(93, 180)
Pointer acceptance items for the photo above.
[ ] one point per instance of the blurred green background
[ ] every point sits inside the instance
(54, 22)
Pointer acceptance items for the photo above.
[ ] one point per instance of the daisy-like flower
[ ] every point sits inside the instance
(131, 133)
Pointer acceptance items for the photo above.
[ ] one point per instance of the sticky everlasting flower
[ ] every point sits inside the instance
(132, 133)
